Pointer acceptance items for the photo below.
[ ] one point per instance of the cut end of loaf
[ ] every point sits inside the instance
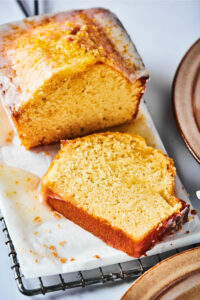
(116, 187)
(75, 105)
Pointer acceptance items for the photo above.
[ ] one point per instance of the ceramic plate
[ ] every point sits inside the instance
(177, 277)
(186, 99)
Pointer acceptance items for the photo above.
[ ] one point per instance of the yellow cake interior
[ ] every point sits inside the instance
(71, 106)
(117, 177)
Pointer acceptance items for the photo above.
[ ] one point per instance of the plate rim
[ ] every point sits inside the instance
(188, 272)
(185, 139)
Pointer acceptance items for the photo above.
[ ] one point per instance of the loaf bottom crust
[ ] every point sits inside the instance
(113, 236)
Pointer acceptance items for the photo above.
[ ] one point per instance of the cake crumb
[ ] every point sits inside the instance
(193, 212)
(9, 137)
(54, 254)
(52, 248)
(72, 259)
(46, 153)
(37, 220)
(6, 194)
(96, 256)
(33, 252)
(62, 243)
(28, 179)
(16, 181)
(63, 260)
(59, 226)
(56, 215)
(187, 232)
(44, 245)
(36, 260)
(36, 232)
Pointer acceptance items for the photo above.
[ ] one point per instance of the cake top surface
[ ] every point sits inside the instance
(74, 40)
(115, 177)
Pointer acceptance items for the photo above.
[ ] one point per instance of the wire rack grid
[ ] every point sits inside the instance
(113, 273)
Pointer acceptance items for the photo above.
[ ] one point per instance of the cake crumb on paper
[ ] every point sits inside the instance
(72, 259)
(37, 220)
(36, 232)
(62, 243)
(52, 248)
(96, 256)
(63, 260)
(56, 215)
(46, 153)
(9, 137)
(33, 252)
(55, 254)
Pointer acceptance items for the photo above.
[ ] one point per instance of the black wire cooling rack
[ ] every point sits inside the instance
(113, 273)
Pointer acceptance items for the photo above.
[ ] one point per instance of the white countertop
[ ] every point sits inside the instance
(162, 32)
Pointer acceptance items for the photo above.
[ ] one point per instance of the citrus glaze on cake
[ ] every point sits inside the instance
(69, 74)
(116, 187)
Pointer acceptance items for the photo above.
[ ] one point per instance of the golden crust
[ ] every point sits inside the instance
(48, 42)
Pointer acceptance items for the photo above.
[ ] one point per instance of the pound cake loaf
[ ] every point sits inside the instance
(69, 74)
(116, 187)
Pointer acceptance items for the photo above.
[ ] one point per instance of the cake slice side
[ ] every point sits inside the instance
(136, 214)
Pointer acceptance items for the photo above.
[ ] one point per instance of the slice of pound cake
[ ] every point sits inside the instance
(116, 187)
(69, 74)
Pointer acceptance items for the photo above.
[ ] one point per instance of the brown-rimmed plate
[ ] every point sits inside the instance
(177, 277)
(186, 99)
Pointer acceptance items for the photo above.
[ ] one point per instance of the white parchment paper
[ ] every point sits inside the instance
(47, 243)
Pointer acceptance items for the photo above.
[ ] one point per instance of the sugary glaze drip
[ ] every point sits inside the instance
(6, 129)
(82, 37)
(138, 126)
(21, 188)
